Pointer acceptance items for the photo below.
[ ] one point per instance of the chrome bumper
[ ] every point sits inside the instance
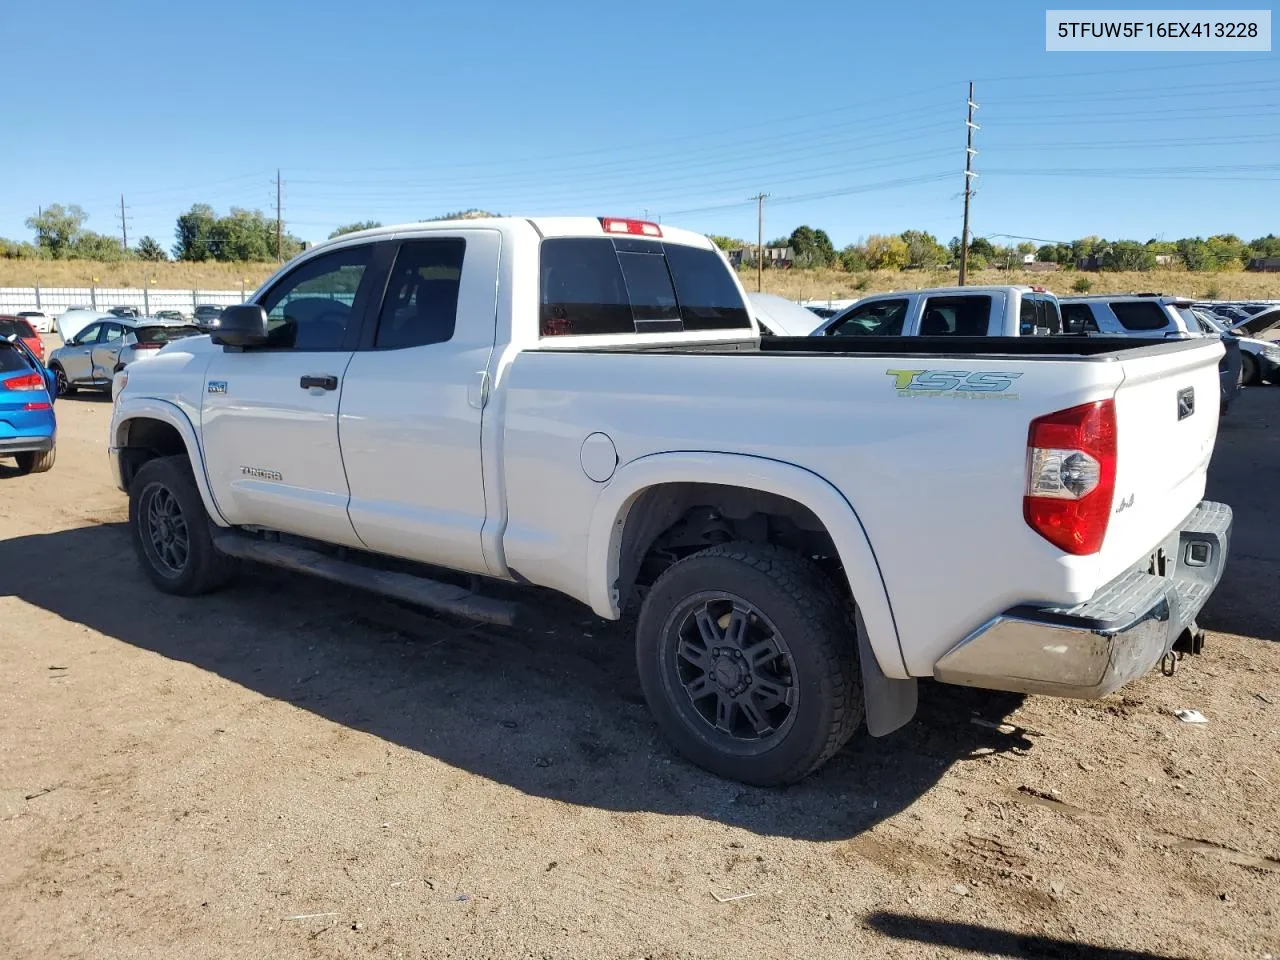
(1092, 649)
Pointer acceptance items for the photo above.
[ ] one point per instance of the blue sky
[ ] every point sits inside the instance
(849, 115)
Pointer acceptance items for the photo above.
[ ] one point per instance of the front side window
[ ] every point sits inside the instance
(311, 308)
(89, 334)
(962, 316)
(421, 304)
(881, 318)
(1078, 318)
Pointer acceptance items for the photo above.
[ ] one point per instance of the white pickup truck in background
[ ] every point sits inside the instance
(1008, 311)
(806, 525)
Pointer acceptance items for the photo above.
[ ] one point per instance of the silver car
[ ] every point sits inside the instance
(93, 356)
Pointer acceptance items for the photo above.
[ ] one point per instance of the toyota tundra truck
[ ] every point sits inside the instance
(805, 526)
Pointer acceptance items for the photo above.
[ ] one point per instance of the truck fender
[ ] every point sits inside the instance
(604, 538)
(152, 409)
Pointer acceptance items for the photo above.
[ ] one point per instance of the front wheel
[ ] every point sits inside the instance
(64, 386)
(748, 661)
(1249, 371)
(170, 529)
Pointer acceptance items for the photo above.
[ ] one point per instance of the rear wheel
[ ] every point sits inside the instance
(749, 663)
(32, 461)
(170, 529)
(1249, 370)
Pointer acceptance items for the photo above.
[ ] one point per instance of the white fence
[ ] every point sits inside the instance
(54, 300)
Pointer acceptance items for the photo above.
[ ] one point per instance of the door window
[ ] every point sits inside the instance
(312, 307)
(1078, 318)
(112, 333)
(1140, 315)
(421, 304)
(881, 318)
(89, 334)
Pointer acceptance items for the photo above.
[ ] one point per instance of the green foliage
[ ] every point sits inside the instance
(923, 249)
(472, 214)
(727, 243)
(355, 227)
(58, 228)
(241, 235)
(1213, 292)
(853, 258)
(886, 253)
(195, 233)
(1059, 253)
(1127, 255)
(1082, 285)
(1268, 246)
(15, 250)
(96, 246)
(148, 249)
(862, 284)
(811, 248)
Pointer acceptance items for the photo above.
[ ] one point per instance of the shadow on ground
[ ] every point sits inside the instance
(553, 710)
(993, 942)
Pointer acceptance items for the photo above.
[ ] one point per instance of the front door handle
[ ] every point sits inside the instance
(328, 382)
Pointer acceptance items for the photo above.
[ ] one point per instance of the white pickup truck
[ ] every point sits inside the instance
(993, 311)
(805, 524)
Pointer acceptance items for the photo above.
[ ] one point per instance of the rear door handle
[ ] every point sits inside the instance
(328, 382)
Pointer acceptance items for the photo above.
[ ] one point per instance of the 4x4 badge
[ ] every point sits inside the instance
(217, 386)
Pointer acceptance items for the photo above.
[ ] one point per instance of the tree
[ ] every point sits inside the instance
(1127, 255)
(923, 248)
(886, 253)
(1226, 252)
(148, 249)
(1268, 246)
(96, 246)
(195, 233)
(58, 228)
(244, 235)
(353, 227)
(853, 258)
(810, 247)
(727, 243)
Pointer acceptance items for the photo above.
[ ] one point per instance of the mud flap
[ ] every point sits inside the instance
(889, 703)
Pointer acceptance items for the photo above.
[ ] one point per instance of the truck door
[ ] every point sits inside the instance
(413, 401)
(269, 418)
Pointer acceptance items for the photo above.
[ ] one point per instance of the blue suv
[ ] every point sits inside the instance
(28, 430)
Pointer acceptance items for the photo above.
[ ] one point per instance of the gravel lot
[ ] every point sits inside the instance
(289, 769)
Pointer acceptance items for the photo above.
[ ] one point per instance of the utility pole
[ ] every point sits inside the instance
(279, 228)
(124, 226)
(969, 152)
(759, 198)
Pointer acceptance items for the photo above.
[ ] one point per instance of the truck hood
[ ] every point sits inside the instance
(69, 324)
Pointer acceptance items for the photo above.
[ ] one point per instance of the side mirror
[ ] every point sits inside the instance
(241, 325)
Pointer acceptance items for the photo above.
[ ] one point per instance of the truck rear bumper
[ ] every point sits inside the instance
(1095, 647)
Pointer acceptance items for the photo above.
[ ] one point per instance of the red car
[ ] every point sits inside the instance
(11, 325)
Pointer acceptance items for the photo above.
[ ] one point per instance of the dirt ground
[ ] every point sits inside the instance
(287, 769)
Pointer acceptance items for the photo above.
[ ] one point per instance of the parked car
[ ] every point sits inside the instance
(206, 316)
(74, 319)
(105, 347)
(124, 311)
(1152, 315)
(1007, 311)
(780, 317)
(177, 315)
(20, 328)
(801, 536)
(28, 429)
(40, 321)
(1264, 325)
(1259, 359)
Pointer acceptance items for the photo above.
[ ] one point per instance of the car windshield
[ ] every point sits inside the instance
(10, 326)
(165, 334)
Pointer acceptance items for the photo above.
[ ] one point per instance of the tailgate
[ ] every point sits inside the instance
(1166, 424)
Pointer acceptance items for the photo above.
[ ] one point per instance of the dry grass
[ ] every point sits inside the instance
(795, 284)
(179, 276)
(819, 284)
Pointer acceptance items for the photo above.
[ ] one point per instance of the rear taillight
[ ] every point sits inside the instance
(24, 381)
(1071, 476)
(37, 406)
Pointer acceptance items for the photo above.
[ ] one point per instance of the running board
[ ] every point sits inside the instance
(445, 597)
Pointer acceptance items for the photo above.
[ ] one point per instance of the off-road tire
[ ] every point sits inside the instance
(810, 616)
(203, 568)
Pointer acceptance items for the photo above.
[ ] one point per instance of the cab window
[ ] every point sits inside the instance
(880, 318)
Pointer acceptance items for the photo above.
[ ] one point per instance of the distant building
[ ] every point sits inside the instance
(1264, 265)
(1028, 258)
(1040, 266)
(777, 257)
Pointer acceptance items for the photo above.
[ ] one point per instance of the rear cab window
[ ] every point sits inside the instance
(164, 334)
(956, 316)
(595, 286)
